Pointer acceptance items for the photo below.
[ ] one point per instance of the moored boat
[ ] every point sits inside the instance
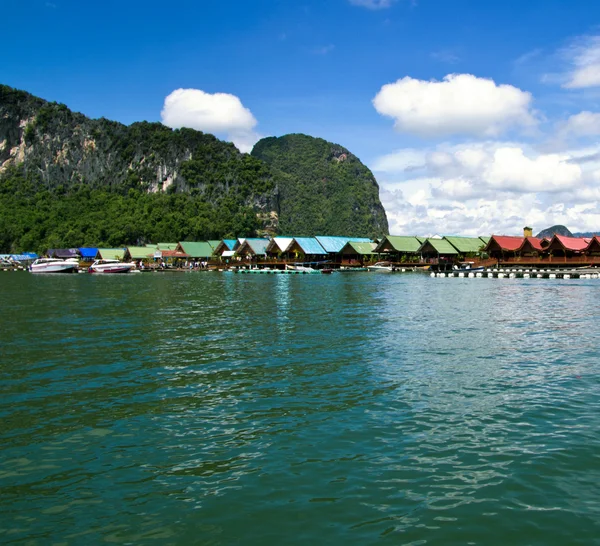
(380, 266)
(110, 266)
(53, 265)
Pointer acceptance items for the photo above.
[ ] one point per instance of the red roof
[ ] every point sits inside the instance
(173, 254)
(577, 244)
(507, 242)
(533, 241)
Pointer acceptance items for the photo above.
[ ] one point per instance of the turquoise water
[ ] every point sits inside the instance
(208, 408)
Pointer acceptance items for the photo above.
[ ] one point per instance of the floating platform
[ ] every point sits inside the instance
(274, 272)
(508, 273)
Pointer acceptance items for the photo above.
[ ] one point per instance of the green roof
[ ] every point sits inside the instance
(111, 253)
(440, 245)
(486, 240)
(214, 243)
(197, 249)
(360, 247)
(402, 243)
(166, 246)
(465, 244)
(140, 252)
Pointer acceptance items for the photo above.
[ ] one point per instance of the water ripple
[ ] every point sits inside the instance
(222, 409)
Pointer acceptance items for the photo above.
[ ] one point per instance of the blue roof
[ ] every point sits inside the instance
(24, 256)
(230, 243)
(335, 244)
(310, 245)
(259, 246)
(88, 252)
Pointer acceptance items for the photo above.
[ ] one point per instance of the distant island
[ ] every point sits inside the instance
(69, 181)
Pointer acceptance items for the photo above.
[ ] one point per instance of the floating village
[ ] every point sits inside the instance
(497, 256)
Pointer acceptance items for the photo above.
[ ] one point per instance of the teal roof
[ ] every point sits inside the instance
(310, 245)
(335, 244)
(230, 243)
(258, 246)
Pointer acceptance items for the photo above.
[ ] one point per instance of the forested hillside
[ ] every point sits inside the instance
(322, 188)
(67, 180)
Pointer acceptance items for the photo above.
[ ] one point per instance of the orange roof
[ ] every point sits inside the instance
(173, 254)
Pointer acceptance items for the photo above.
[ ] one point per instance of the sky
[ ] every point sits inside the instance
(475, 117)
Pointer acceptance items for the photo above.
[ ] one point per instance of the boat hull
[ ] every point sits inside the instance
(52, 268)
(124, 268)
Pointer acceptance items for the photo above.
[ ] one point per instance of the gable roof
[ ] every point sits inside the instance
(401, 243)
(279, 244)
(196, 249)
(87, 252)
(63, 252)
(531, 243)
(214, 243)
(335, 244)
(310, 245)
(485, 239)
(441, 246)
(166, 246)
(575, 244)
(359, 247)
(140, 252)
(465, 244)
(256, 246)
(505, 242)
(110, 253)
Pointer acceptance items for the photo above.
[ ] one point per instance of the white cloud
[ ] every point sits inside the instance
(512, 170)
(489, 187)
(219, 113)
(373, 4)
(460, 104)
(584, 56)
(582, 124)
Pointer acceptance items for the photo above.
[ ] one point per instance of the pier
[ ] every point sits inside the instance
(508, 273)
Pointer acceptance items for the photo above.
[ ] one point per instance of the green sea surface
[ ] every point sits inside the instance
(218, 409)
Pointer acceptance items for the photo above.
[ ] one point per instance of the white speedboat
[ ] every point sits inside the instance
(53, 265)
(380, 266)
(110, 266)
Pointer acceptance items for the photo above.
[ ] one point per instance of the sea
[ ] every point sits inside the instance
(353, 408)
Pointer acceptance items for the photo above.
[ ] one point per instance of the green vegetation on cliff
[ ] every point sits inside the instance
(322, 188)
(67, 180)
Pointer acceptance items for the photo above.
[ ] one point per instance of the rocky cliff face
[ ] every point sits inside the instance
(146, 182)
(322, 188)
(59, 147)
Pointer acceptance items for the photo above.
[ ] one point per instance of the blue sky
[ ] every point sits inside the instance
(317, 66)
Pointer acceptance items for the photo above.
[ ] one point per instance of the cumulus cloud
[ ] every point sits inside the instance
(485, 187)
(582, 124)
(584, 56)
(218, 113)
(373, 4)
(460, 104)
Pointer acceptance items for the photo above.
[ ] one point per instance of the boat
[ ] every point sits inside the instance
(110, 266)
(468, 267)
(54, 265)
(381, 266)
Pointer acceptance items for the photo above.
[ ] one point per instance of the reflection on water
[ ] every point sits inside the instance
(217, 409)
